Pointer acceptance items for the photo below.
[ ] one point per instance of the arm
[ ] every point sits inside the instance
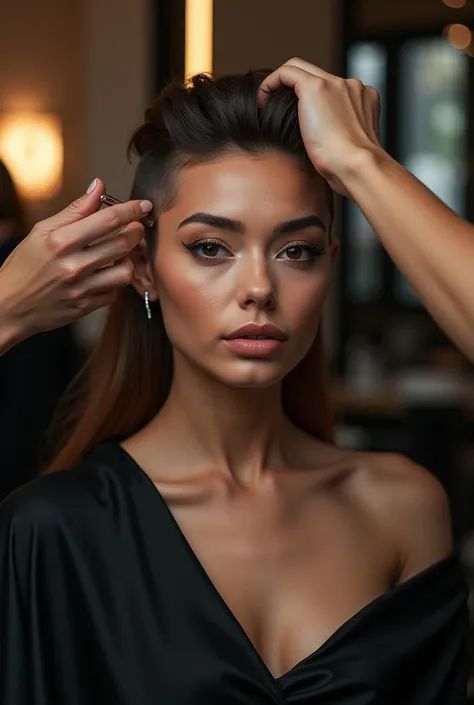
(431, 245)
(62, 270)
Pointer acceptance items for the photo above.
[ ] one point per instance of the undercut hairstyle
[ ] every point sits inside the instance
(128, 375)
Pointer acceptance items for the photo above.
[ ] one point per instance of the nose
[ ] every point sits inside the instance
(256, 287)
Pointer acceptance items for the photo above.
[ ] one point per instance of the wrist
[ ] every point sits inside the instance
(362, 164)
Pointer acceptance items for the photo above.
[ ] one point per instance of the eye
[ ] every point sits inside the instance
(301, 252)
(208, 249)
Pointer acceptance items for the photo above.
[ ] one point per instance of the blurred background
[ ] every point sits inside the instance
(76, 78)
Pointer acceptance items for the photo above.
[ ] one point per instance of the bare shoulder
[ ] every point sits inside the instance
(409, 502)
(404, 499)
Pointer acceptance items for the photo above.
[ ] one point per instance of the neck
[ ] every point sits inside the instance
(206, 423)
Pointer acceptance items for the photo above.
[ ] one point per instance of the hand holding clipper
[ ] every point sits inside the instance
(62, 270)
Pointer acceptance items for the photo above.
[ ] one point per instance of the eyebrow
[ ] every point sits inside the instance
(236, 226)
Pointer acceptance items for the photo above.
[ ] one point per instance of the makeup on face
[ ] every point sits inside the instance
(108, 200)
(253, 340)
(230, 226)
(242, 267)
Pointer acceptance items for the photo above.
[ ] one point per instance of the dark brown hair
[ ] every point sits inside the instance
(11, 209)
(128, 376)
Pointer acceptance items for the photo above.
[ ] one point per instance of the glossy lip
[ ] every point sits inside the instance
(267, 329)
(253, 348)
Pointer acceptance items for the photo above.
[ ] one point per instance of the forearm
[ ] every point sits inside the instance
(430, 244)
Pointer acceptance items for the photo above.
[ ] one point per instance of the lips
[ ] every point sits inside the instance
(255, 341)
(254, 331)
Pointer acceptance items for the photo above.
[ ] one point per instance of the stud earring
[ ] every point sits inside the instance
(147, 305)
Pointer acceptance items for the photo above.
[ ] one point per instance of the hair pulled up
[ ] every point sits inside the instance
(128, 376)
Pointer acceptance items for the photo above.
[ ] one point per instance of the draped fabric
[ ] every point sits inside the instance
(103, 602)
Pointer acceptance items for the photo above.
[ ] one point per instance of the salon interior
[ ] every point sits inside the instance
(77, 76)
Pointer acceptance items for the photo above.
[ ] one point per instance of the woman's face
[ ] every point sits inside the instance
(246, 242)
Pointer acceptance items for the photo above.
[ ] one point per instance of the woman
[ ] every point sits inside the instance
(201, 548)
(432, 246)
(12, 221)
(33, 375)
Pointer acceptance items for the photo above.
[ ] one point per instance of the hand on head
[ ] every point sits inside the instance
(60, 273)
(338, 117)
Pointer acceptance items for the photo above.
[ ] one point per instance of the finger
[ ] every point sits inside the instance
(109, 251)
(79, 235)
(376, 115)
(376, 110)
(369, 102)
(356, 90)
(286, 75)
(96, 302)
(77, 210)
(310, 68)
(117, 276)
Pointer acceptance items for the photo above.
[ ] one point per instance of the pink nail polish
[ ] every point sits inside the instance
(146, 206)
(91, 187)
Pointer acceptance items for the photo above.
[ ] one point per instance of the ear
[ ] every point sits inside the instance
(143, 279)
(335, 245)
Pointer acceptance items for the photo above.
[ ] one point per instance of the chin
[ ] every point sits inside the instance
(251, 374)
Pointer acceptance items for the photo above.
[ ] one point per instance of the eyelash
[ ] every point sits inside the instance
(315, 251)
(194, 246)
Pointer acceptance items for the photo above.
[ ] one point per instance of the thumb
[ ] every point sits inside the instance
(77, 210)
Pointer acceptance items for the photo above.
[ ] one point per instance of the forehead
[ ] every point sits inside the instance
(270, 187)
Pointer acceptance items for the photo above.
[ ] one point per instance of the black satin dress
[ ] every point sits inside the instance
(103, 602)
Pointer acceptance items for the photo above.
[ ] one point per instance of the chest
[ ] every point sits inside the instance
(290, 574)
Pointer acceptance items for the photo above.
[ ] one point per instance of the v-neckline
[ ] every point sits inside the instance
(345, 628)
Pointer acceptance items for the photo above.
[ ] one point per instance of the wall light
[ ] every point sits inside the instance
(31, 146)
(458, 35)
(198, 37)
(455, 3)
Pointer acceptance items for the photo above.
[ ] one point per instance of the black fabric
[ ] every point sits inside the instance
(33, 376)
(103, 602)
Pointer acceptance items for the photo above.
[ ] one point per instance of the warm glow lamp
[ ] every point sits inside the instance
(31, 147)
(198, 38)
(458, 35)
(455, 3)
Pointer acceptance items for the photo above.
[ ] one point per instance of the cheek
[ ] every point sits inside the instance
(195, 300)
(302, 300)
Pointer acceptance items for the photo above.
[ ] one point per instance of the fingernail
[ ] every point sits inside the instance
(146, 206)
(91, 187)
